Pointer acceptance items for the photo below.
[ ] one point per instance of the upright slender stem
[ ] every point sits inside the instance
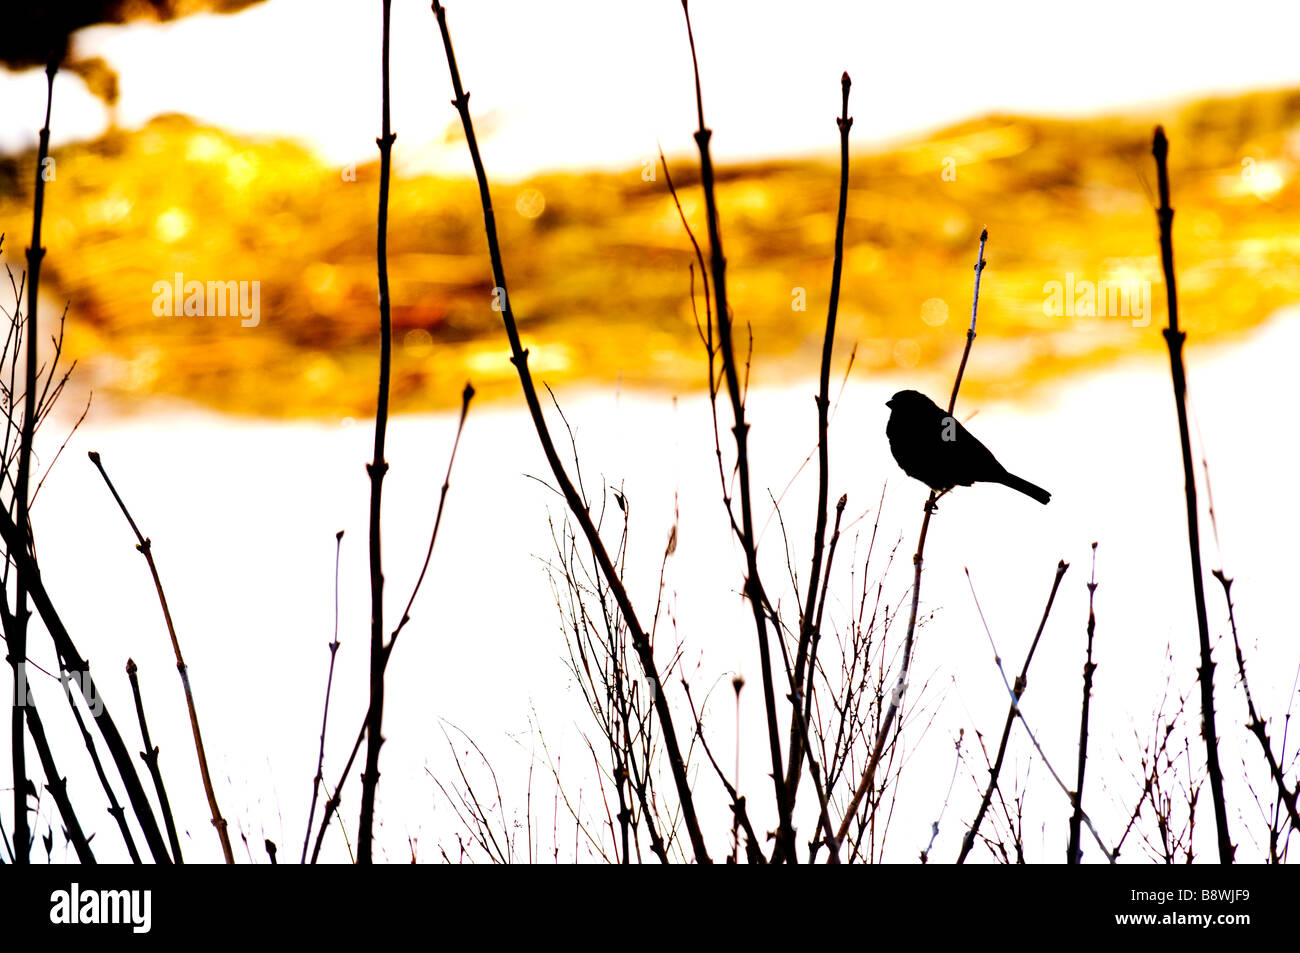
(809, 621)
(18, 637)
(519, 357)
(1174, 338)
(377, 468)
(1073, 854)
(332, 804)
(740, 430)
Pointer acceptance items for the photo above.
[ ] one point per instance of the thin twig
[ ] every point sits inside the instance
(1022, 682)
(900, 687)
(934, 827)
(465, 397)
(1015, 704)
(329, 684)
(808, 624)
(1073, 854)
(1256, 724)
(145, 545)
(752, 850)
(814, 769)
(335, 799)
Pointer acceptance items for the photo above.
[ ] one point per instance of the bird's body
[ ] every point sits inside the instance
(933, 447)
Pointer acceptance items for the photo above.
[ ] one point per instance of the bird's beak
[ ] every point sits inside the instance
(889, 403)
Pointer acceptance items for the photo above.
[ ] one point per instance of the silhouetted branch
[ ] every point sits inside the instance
(114, 808)
(519, 357)
(1174, 338)
(810, 619)
(70, 660)
(17, 634)
(740, 431)
(376, 470)
(1256, 724)
(57, 785)
(150, 756)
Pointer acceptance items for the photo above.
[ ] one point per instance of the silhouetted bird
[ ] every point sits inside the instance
(936, 449)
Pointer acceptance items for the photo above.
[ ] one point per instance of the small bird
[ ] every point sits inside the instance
(933, 447)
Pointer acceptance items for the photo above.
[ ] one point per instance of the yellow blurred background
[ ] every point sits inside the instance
(239, 152)
(599, 263)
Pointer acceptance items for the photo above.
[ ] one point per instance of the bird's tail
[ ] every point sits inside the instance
(1025, 487)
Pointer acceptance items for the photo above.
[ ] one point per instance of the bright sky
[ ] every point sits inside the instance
(572, 83)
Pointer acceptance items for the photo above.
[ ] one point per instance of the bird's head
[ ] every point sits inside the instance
(906, 399)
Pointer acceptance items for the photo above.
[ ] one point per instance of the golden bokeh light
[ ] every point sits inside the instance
(172, 225)
(530, 203)
(934, 312)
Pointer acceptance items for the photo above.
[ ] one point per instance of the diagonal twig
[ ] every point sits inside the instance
(1022, 682)
(145, 545)
(519, 357)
